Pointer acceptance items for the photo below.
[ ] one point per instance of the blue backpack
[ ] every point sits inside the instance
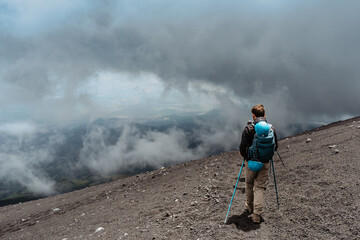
(263, 147)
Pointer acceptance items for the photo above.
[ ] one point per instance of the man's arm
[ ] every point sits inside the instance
(246, 141)
(276, 140)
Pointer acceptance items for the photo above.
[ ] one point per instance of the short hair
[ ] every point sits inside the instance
(258, 110)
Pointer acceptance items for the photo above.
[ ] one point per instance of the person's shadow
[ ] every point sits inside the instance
(243, 222)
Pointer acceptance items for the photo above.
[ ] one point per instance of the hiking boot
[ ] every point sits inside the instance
(248, 208)
(256, 218)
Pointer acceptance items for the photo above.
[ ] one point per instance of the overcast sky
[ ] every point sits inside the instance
(61, 61)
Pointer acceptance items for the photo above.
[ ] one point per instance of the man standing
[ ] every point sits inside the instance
(255, 180)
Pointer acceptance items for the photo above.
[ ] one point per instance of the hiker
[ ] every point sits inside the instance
(256, 180)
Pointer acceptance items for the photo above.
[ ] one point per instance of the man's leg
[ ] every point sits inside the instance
(249, 188)
(259, 186)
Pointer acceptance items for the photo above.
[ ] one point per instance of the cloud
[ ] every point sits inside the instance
(251, 49)
(27, 18)
(33, 156)
(24, 152)
(18, 128)
(137, 148)
(24, 169)
(133, 151)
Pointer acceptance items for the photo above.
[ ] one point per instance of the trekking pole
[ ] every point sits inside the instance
(280, 158)
(277, 197)
(269, 169)
(234, 191)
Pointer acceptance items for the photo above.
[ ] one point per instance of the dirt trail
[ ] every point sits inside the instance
(318, 192)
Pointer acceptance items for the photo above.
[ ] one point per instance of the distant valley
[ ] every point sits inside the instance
(64, 165)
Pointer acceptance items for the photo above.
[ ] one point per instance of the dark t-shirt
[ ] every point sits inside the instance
(248, 136)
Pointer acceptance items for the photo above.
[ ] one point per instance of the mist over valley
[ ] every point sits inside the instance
(44, 162)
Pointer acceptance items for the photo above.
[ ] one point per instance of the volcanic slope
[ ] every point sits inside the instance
(318, 192)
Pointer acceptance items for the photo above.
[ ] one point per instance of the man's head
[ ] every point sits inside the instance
(258, 111)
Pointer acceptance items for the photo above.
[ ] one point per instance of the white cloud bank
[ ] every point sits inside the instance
(22, 156)
(135, 148)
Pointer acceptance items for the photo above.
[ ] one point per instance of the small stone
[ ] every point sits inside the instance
(288, 146)
(176, 200)
(358, 127)
(217, 200)
(332, 146)
(192, 203)
(335, 151)
(56, 209)
(308, 140)
(126, 234)
(351, 126)
(99, 229)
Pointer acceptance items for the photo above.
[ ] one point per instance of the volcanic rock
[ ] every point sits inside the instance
(335, 151)
(99, 229)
